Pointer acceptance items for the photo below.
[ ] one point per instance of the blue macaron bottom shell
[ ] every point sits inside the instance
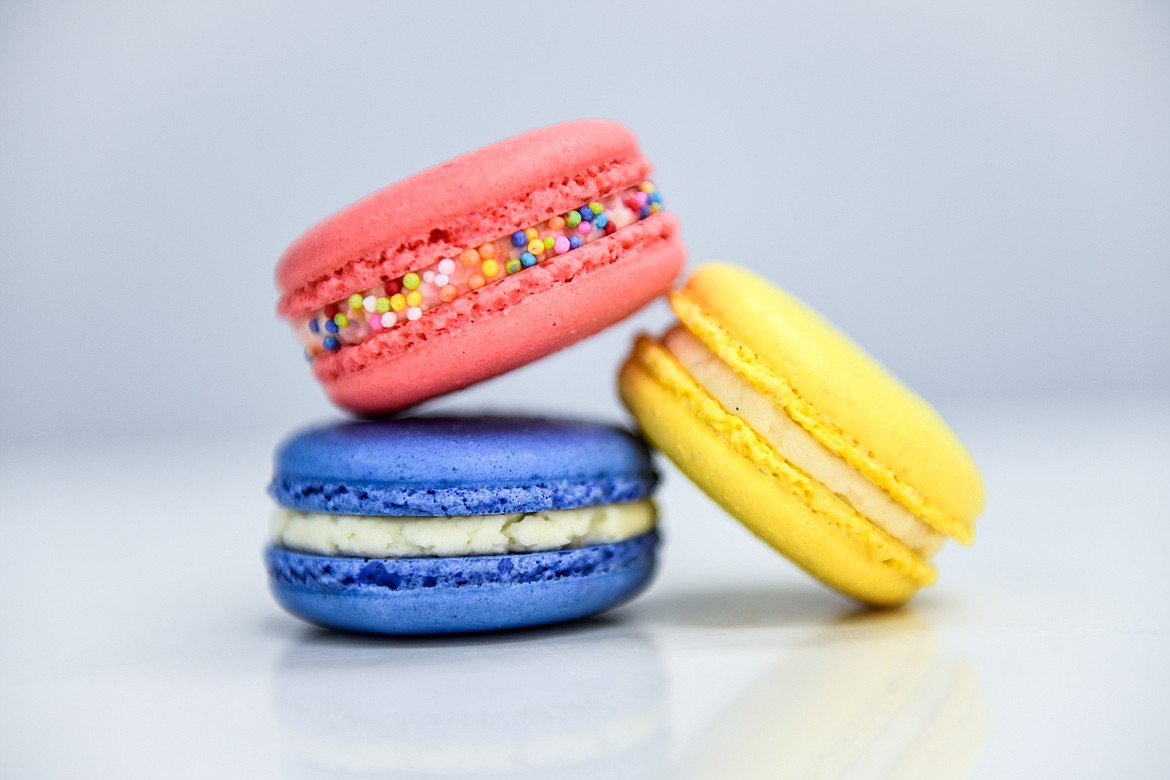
(460, 594)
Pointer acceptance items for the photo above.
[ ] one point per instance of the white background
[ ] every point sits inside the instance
(978, 192)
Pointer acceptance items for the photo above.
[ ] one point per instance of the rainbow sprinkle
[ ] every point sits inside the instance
(359, 316)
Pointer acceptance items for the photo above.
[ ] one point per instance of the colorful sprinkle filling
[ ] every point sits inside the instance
(365, 313)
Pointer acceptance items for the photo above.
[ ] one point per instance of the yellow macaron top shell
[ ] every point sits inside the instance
(844, 398)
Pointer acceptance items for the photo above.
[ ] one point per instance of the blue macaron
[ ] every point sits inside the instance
(453, 524)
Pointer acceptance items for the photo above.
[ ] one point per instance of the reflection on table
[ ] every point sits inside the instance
(867, 697)
(519, 704)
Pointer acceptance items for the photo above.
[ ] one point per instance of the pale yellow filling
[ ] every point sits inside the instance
(797, 446)
(386, 537)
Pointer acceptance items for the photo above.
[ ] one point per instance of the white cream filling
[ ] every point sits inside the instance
(405, 537)
(797, 446)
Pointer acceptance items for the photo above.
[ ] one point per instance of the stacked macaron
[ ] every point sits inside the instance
(452, 276)
(479, 266)
(447, 524)
(470, 523)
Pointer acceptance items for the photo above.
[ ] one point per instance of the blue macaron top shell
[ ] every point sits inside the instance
(442, 466)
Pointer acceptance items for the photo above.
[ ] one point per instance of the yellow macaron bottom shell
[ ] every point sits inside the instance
(796, 446)
(407, 537)
(743, 472)
(834, 390)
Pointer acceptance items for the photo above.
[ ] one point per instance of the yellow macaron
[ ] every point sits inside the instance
(802, 436)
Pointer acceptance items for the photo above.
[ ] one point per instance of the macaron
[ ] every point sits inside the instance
(479, 265)
(455, 524)
(802, 436)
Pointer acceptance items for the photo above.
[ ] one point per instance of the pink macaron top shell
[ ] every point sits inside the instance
(459, 204)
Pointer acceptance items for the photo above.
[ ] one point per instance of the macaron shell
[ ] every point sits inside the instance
(458, 204)
(836, 391)
(508, 324)
(452, 595)
(730, 462)
(450, 465)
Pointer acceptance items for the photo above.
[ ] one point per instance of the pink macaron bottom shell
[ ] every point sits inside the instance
(509, 324)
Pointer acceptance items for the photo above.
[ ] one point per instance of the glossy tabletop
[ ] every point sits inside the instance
(138, 638)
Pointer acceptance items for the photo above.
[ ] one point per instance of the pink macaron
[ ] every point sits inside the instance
(479, 265)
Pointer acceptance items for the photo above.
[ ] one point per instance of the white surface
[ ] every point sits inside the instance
(138, 639)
